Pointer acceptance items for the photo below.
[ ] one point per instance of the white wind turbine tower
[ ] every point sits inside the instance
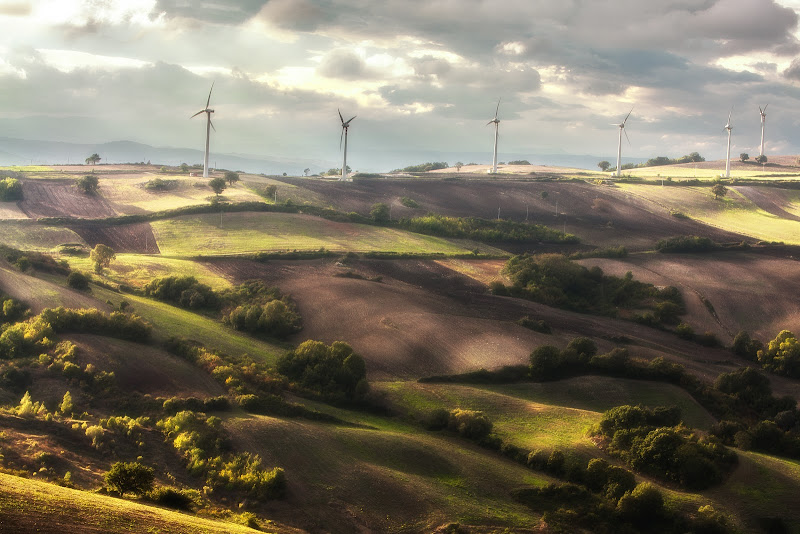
(345, 126)
(496, 122)
(763, 121)
(728, 158)
(619, 146)
(208, 112)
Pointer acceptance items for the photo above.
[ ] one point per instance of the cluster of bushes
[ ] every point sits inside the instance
(409, 202)
(781, 355)
(554, 280)
(183, 291)
(11, 310)
(259, 309)
(333, 371)
(206, 447)
(159, 184)
(653, 441)
(10, 190)
(174, 405)
(470, 424)
(37, 260)
(116, 324)
(537, 325)
(686, 243)
(424, 167)
(484, 229)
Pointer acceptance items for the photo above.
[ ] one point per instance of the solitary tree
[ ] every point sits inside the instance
(217, 185)
(544, 195)
(102, 256)
(380, 212)
(306, 171)
(231, 177)
(719, 191)
(94, 159)
(762, 159)
(744, 156)
(458, 166)
(130, 477)
(88, 184)
(604, 165)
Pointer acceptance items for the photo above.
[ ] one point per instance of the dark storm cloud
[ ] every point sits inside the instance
(343, 64)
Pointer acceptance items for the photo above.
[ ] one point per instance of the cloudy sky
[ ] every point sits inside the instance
(422, 75)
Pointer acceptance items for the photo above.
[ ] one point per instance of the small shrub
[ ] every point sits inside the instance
(536, 325)
(409, 202)
(78, 280)
(172, 498)
(469, 423)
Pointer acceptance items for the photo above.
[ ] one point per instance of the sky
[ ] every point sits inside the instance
(420, 76)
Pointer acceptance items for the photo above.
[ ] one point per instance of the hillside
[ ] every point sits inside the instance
(325, 369)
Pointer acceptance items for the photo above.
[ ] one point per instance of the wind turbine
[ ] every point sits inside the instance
(728, 159)
(619, 146)
(763, 121)
(208, 112)
(345, 126)
(496, 122)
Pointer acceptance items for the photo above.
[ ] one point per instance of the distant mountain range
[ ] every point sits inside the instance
(31, 152)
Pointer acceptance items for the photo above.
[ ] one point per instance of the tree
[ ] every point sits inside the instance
(94, 159)
(66, 405)
(719, 191)
(744, 156)
(130, 477)
(102, 255)
(380, 212)
(231, 177)
(696, 157)
(458, 166)
(604, 165)
(762, 159)
(88, 184)
(306, 171)
(544, 195)
(217, 185)
(78, 280)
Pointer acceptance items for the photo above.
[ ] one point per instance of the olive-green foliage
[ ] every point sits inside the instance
(231, 177)
(115, 324)
(380, 213)
(183, 291)
(204, 444)
(554, 280)
(686, 243)
(409, 202)
(10, 190)
(174, 498)
(102, 256)
(484, 229)
(11, 310)
(334, 371)
(88, 184)
(78, 280)
(130, 477)
(781, 355)
(259, 309)
(218, 185)
(536, 325)
(159, 184)
(642, 506)
(652, 441)
(425, 167)
(470, 424)
(746, 346)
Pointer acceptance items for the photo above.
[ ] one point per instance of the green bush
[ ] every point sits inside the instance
(469, 424)
(686, 243)
(643, 505)
(130, 477)
(159, 184)
(10, 190)
(184, 291)
(409, 202)
(536, 325)
(174, 498)
(88, 184)
(334, 371)
(486, 230)
(78, 280)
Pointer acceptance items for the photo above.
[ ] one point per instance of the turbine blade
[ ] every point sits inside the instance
(761, 110)
(340, 139)
(729, 116)
(626, 117)
(765, 108)
(209, 94)
(212, 124)
(340, 116)
(351, 118)
(198, 113)
(628, 138)
(498, 107)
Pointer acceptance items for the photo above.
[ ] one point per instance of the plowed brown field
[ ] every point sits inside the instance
(136, 238)
(600, 215)
(60, 198)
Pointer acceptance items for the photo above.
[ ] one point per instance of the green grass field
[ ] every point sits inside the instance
(30, 506)
(28, 235)
(241, 233)
(171, 321)
(659, 172)
(734, 213)
(524, 423)
(138, 269)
